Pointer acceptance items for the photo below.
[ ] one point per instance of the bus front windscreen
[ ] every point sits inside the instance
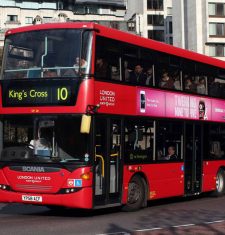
(47, 53)
(44, 139)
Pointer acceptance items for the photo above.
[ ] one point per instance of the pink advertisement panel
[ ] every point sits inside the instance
(218, 110)
(174, 105)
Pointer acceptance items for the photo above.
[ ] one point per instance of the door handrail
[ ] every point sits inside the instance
(103, 163)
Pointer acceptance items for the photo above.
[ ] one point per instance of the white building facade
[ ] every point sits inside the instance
(152, 18)
(199, 25)
(16, 13)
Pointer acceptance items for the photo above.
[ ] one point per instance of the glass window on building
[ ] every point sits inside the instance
(212, 50)
(29, 20)
(170, 27)
(219, 29)
(216, 29)
(212, 29)
(12, 18)
(212, 9)
(156, 35)
(92, 10)
(220, 9)
(216, 9)
(155, 4)
(156, 20)
(217, 50)
(79, 9)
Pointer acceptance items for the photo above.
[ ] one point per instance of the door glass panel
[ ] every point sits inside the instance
(114, 159)
(193, 159)
(100, 153)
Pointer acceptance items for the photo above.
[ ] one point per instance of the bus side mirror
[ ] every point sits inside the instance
(85, 124)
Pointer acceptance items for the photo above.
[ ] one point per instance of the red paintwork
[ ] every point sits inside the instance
(80, 199)
(47, 185)
(210, 169)
(115, 99)
(164, 180)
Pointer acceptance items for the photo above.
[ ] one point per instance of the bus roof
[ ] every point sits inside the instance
(125, 37)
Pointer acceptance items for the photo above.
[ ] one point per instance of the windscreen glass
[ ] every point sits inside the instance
(47, 53)
(44, 139)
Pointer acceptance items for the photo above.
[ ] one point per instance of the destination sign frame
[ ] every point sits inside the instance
(39, 92)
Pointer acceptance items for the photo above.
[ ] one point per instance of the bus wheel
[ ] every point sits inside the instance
(220, 183)
(136, 194)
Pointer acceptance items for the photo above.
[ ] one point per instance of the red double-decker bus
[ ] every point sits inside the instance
(92, 117)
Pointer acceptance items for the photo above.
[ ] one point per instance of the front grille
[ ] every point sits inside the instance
(41, 188)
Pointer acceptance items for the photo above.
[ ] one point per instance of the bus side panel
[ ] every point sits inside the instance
(164, 180)
(210, 169)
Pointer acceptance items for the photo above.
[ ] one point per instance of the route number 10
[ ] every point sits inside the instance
(62, 93)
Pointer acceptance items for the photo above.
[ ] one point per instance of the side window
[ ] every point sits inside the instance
(216, 141)
(202, 73)
(139, 141)
(108, 59)
(189, 82)
(164, 73)
(175, 72)
(148, 66)
(216, 83)
(195, 77)
(169, 141)
(130, 61)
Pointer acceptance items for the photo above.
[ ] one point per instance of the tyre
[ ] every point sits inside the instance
(136, 194)
(220, 183)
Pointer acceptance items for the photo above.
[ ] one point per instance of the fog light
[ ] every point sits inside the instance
(67, 191)
(3, 187)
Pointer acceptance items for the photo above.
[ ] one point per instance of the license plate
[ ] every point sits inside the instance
(29, 198)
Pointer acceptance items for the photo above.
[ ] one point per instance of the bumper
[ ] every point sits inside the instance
(80, 199)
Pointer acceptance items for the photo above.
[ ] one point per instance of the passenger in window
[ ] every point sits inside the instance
(126, 71)
(214, 87)
(166, 81)
(176, 78)
(50, 73)
(201, 89)
(189, 85)
(101, 68)
(115, 73)
(160, 155)
(138, 76)
(171, 154)
(42, 145)
(149, 80)
(80, 64)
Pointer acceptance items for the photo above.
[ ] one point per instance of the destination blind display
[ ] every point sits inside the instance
(39, 93)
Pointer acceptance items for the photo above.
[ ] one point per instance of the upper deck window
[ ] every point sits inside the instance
(47, 53)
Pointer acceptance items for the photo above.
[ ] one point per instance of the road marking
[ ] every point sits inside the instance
(147, 229)
(216, 221)
(183, 225)
(117, 233)
(157, 228)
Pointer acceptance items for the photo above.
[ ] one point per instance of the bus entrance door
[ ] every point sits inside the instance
(193, 159)
(107, 166)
